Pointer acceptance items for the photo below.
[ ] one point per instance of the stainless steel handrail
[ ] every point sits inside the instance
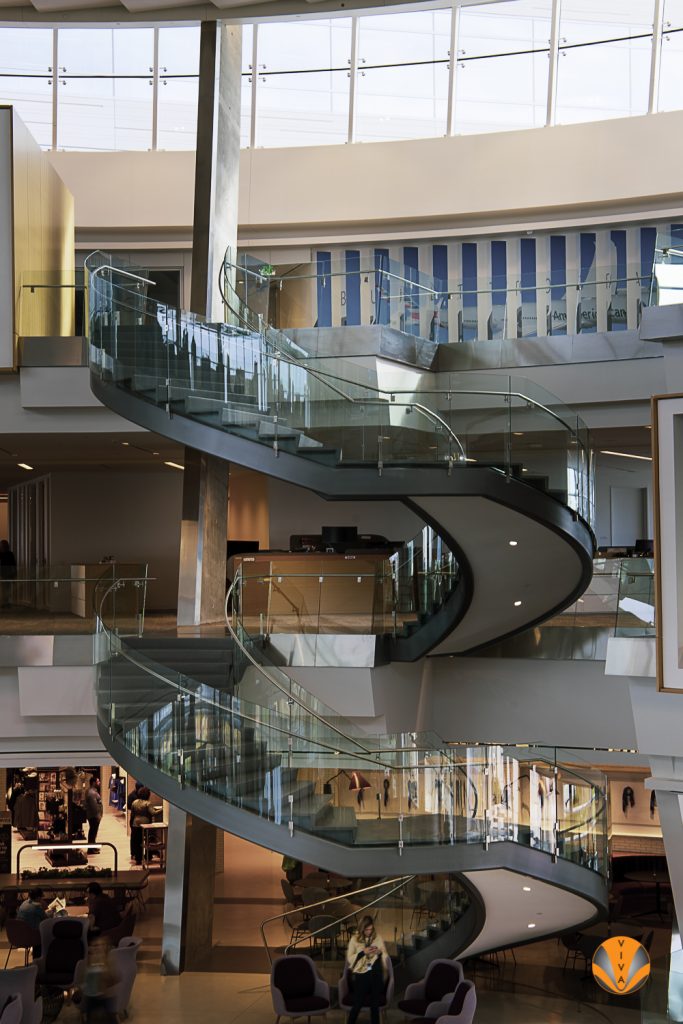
(288, 693)
(401, 880)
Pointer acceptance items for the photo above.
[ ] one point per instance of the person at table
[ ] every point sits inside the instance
(32, 911)
(103, 909)
(366, 957)
(141, 812)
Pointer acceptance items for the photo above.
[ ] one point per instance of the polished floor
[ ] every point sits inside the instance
(233, 988)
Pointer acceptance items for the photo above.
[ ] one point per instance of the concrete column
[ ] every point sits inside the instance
(203, 534)
(217, 162)
(187, 938)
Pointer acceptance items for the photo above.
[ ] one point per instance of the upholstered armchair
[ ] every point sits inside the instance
(64, 944)
(442, 978)
(457, 1008)
(12, 1011)
(296, 989)
(22, 981)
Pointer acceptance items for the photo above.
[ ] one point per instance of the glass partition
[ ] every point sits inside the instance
(667, 269)
(63, 599)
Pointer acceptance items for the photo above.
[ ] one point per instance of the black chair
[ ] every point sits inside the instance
(296, 989)
(442, 977)
(64, 942)
(21, 935)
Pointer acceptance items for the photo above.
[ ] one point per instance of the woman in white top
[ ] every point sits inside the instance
(367, 958)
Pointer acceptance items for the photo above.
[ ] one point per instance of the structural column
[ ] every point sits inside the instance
(188, 904)
(217, 162)
(203, 539)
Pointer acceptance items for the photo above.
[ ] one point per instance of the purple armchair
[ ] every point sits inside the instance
(296, 989)
(442, 978)
(457, 1008)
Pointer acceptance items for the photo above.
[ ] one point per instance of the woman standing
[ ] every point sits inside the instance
(141, 814)
(367, 959)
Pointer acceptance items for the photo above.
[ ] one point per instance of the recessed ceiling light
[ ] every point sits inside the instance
(626, 455)
(155, 453)
(517, 604)
(526, 888)
(518, 433)
(512, 543)
(580, 600)
(24, 465)
(531, 925)
(174, 465)
(126, 444)
(524, 469)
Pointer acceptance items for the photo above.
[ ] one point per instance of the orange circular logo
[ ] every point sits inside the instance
(621, 965)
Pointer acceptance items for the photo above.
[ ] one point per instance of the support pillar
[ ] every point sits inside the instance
(203, 534)
(187, 938)
(217, 162)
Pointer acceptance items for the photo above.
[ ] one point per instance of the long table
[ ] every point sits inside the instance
(127, 881)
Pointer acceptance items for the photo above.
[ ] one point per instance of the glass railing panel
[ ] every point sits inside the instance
(635, 613)
(593, 298)
(667, 269)
(63, 599)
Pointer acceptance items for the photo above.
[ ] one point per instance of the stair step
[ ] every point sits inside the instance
(268, 429)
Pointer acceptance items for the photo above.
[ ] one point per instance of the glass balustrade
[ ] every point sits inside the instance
(667, 269)
(255, 382)
(263, 744)
(410, 912)
(344, 292)
(60, 599)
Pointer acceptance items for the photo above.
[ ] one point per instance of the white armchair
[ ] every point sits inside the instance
(22, 981)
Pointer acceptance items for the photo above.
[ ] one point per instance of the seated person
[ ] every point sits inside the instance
(103, 909)
(32, 910)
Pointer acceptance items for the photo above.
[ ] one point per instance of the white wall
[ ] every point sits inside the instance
(458, 185)
(611, 472)
(568, 704)
(134, 516)
(33, 738)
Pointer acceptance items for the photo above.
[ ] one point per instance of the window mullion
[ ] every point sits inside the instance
(254, 86)
(452, 68)
(656, 57)
(554, 61)
(55, 84)
(155, 91)
(353, 79)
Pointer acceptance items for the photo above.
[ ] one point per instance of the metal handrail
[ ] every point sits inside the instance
(370, 387)
(402, 880)
(448, 293)
(287, 693)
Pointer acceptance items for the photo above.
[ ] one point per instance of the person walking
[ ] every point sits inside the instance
(367, 960)
(93, 812)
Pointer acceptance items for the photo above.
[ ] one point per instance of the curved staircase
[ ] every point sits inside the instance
(223, 733)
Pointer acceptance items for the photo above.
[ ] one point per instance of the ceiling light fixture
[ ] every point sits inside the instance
(174, 465)
(517, 604)
(531, 925)
(512, 543)
(626, 455)
(518, 433)
(526, 888)
(24, 465)
(126, 444)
